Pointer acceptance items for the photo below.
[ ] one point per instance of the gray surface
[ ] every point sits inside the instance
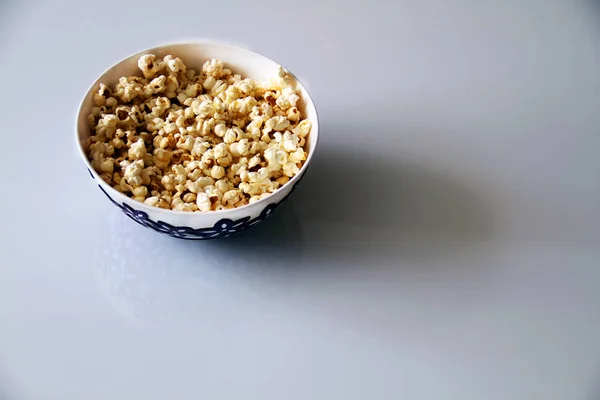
(445, 244)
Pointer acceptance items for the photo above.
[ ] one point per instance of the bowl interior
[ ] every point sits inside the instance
(242, 61)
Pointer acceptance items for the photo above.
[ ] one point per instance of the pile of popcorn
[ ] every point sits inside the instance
(196, 141)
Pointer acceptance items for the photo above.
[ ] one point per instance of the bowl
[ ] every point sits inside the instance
(199, 225)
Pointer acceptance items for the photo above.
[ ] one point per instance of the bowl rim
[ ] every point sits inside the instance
(119, 195)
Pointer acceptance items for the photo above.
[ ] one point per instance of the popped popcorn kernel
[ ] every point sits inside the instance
(137, 151)
(217, 172)
(152, 201)
(148, 65)
(132, 172)
(203, 202)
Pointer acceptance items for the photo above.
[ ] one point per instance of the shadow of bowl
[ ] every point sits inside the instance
(357, 209)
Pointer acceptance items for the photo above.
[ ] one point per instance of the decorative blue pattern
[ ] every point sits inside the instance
(223, 228)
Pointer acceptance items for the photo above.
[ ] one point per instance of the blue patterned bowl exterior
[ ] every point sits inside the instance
(222, 228)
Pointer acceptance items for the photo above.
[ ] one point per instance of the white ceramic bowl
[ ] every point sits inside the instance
(198, 225)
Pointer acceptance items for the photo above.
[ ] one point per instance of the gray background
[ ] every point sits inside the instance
(444, 245)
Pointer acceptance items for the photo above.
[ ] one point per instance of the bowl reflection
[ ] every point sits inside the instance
(155, 280)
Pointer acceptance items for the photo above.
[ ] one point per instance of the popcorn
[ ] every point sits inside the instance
(303, 128)
(174, 64)
(221, 130)
(199, 184)
(162, 104)
(275, 158)
(148, 65)
(287, 99)
(297, 156)
(128, 89)
(168, 182)
(189, 198)
(231, 197)
(205, 127)
(222, 185)
(111, 103)
(253, 162)
(107, 125)
(157, 85)
(229, 136)
(203, 202)
(180, 174)
(290, 169)
(276, 123)
(213, 68)
(172, 84)
(170, 128)
(152, 201)
(155, 124)
(222, 155)
(140, 193)
(243, 106)
(209, 83)
(200, 147)
(218, 88)
(293, 114)
(282, 180)
(217, 172)
(186, 143)
(107, 165)
(185, 207)
(137, 151)
(162, 158)
(290, 142)
(192, 141)
(239, 149)
(208, 158)
(132, 172)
